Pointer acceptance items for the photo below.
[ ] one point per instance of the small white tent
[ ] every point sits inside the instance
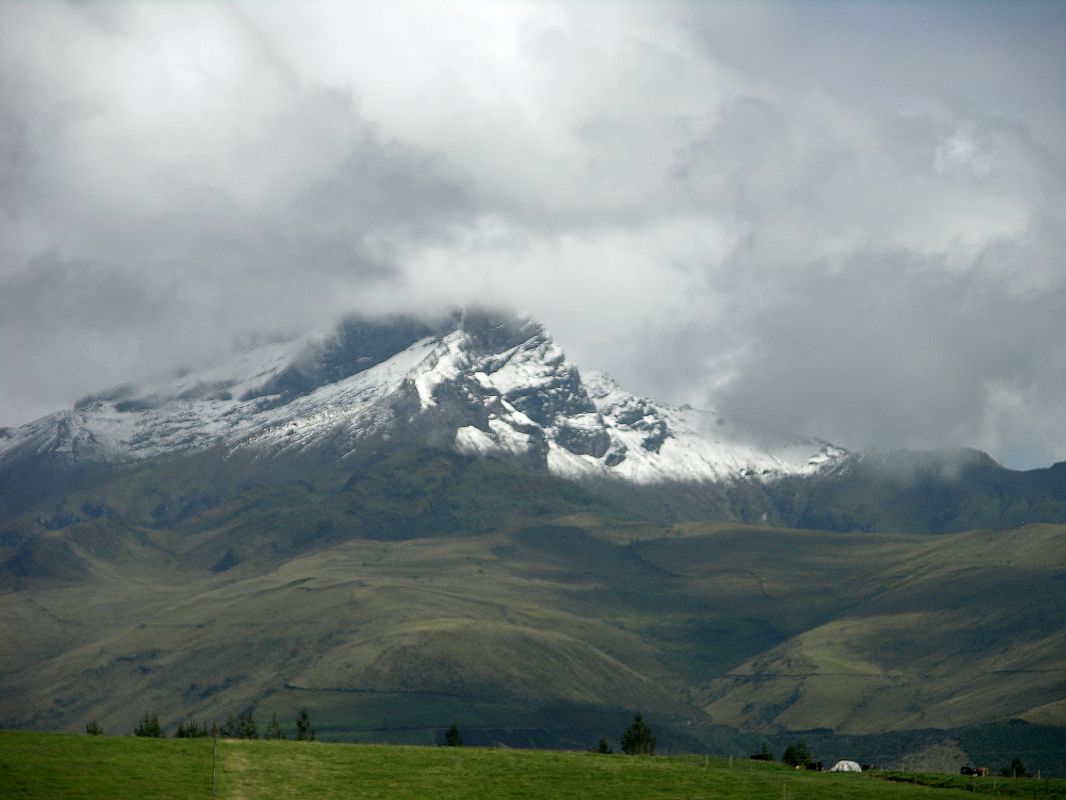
(845, 766)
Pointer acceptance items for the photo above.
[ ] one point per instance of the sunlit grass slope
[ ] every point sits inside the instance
(49, 765)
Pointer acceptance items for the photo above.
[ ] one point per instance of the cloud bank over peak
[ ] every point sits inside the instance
(781, 212)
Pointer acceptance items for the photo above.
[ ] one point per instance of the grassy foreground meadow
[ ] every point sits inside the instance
(43, 765)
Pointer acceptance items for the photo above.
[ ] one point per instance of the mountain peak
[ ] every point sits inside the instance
(478, 380)
(495, 331)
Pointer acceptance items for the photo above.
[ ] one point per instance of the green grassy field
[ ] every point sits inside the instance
(36, 765)
(65, 766)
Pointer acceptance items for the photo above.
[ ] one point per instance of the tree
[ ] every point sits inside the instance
(452, 737)
(603, 746)
(94, 728)
(637, 739)
(1015, 770)
(148, 726)
(273, 729)
(304, 731)
(246, 728)
(797, 755)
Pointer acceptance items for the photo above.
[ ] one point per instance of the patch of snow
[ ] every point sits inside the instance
(508, 439)
(445, 364)
(503, 440)
(474, 441)
(565, 464)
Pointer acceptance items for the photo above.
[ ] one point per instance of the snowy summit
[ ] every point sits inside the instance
(479, 382)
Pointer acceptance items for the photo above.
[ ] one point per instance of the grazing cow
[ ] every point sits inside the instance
(866, 767)
(980, 772)
(761, 757)
(816, 766)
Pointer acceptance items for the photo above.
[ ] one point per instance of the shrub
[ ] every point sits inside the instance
(246, 727)
(797, 755)
(1015, 770)
(304, 731)
(273, 728)
(452, 737)
(191, 730)
(148, 726)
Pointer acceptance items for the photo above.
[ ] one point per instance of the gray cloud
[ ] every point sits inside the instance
(846, 222)
(171, 185)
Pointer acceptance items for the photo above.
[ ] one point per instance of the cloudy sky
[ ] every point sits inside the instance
(839, 219)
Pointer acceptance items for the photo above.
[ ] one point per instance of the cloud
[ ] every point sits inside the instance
(171, 184)
(788, 216)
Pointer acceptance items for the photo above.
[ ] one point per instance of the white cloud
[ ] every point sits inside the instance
(786, 215)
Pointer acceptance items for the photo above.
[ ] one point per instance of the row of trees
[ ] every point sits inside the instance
(796, 754)
(636, 740)
(243, 726)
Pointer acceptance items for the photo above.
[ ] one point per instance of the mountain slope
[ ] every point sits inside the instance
(934, 491)
(545, 622)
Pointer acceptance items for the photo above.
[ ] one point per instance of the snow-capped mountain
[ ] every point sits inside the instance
(478, 382)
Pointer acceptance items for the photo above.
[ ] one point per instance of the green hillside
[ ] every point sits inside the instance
(420, 589)
(34, 765)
